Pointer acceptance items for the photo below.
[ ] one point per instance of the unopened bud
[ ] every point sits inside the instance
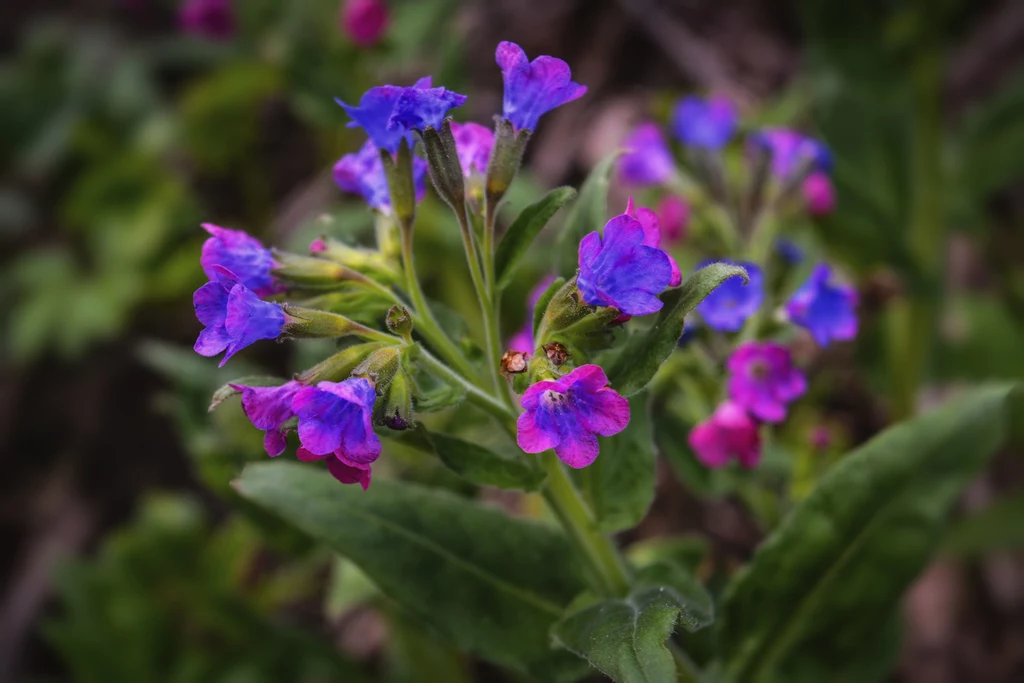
(399, 321)
(506, 157)
(310, 272)
(513, 362)
(445, 168)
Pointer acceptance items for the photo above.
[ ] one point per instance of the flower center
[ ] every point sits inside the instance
(553, 399)
(758, 369)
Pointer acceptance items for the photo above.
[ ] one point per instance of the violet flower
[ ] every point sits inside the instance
(341, 467)
(337, 418)
(533, 88)
(727, 307)
(473, 144)
(704, 123)
(791, 150)
(233, 315)
(824, 308)
(647, 160)
(242, 254)
(763, 380)
(268, 408)
(363, 173)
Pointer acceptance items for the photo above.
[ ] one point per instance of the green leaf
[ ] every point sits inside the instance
(620, 484)
(646, 350)
(542, 303)
(625, 638)
(524, 230)
(997, 528)
(589, 213)
(226, 391)
(492, 584)
(825, 581)
(485, 467)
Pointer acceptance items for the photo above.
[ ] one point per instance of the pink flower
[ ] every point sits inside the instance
(819, 194)
(364, 21)
(763, 380)
(729, 433)
(674, 216)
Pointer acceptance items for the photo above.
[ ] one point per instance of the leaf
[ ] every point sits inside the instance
(491, 583)
(646, 350)
(997, 528)
(542, 303)
(625, 638)
(826, 580)
(226, 391)
(483, 466)
(524, 230)
(589, 213)
(619, 486)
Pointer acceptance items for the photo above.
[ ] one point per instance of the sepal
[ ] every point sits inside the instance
(401, 187)
(445, 168)
(309, 323)
(506, 158)
(386, 369)
(310, 272)
(339, 367)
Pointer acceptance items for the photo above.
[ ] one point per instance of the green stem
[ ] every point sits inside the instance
(477, 396)
(492, 342)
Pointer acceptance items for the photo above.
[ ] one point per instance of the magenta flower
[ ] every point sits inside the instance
(729, 433)
(823, 308)
(473, 143)
(522, 340)
(533, 88)
(233, 315)
(268, 408)
(791, 150)
(209, 18)
(337, 418)
(242, 254)
(652, 236)
(647, 160)
(763, 380)
(704, 123)
(568, 415)
(362, 173)
(673, 216)
(364, 21)
(819, 194)
(341, 468)
(727, 307)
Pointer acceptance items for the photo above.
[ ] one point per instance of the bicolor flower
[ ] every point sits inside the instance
(790, 151)
(568, 414)
(363, 173)
(673, 217)
(647, 160)
(209, 18)
(364, 21)
(652, 236)
(620, 270)
(242, 254)
(819, 194)
(727, 307)
(763, 380)
(342, 468)
(522, 340)
(824, 308)
(337, 418)
(729, 433)
(533, 88)
(268, 408)
(473, 143)
(233, 315)
(704, 123)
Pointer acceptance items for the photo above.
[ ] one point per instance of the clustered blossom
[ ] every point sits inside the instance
(363, 173)
(727, 308)
(704, 123)
(233, 315)
(647, 159)
(824, 308)
(533, 88)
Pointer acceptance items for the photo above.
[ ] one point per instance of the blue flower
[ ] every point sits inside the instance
(729, 306)
(789, 251)
(233, 315)
(242, 254)
(533, 88)
(620, 270)
(824, 309)
(363, 173)
(790, 150)
(336, 418)
(647, 160)
(704, 124)
(269, 408)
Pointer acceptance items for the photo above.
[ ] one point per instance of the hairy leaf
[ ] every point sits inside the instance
(485, 467)
(524, 230)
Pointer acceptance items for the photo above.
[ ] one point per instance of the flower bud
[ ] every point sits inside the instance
(386, 369)
(339, 366)
(445, 167)
(373, 263)
(309, 272)
(401, 187)
(309, 323)
(506, 157)
(399, 321)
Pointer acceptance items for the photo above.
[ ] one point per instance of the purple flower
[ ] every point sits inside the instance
(728, 307)
(647, 160)
(620, 270)
(210, 18)
(823, 308)
(789, 251)
(568, 414)
(364, 21)
(363, 173)
(819, 194)
(533, 88)
(522, 340)
(791, 150)
(341, 468)
(421, 108)
(242, 254)
(473, 143)
(233, 315)
(268, 408)
(337, 418)
(652, 236)
(704, 123)
(763, 380)
(728, 433)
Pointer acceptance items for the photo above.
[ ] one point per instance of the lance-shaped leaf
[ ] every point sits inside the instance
(524, 230)
(589, 213)
(485, 467)
(646, 350)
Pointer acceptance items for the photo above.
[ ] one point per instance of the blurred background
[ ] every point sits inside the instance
(126, 123)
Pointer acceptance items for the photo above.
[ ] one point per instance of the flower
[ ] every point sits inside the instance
(620, 270)
(364, 21)
(337, 418)
(268, 408)
(242, 254)
(647, 160)
(728, 433)
(522, 340)
(652, 236)
(363, 173)
(341, 467)
(791, 150)
(673, 214)
(421, 108)
(473, 144)
(819, 194)
(533, 88)
(727, 307)
(233, 315)
(789, 251)
(568, 414)
(704, 123)
(209, 18)
(762, 380)
(825, 309)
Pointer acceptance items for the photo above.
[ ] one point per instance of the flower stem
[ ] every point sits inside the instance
(484, 297)
(476, 395)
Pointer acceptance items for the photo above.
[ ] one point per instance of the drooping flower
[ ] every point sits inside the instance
(473, 143)
(819, 194)
(240, 253)
(364, 21)
(533, 88)
(729, 433)
(763, 380)
(790, 151)
(647, 160)
(363, 173)
(728, 307)
(209, 18)
(337, 418)
(233, 315)
(704, 123)
(652, 236)
(268, 408)
(824, 308)
(673, 215)
(522, 340)
(568, 414)
(342, 468)
(620, 271)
